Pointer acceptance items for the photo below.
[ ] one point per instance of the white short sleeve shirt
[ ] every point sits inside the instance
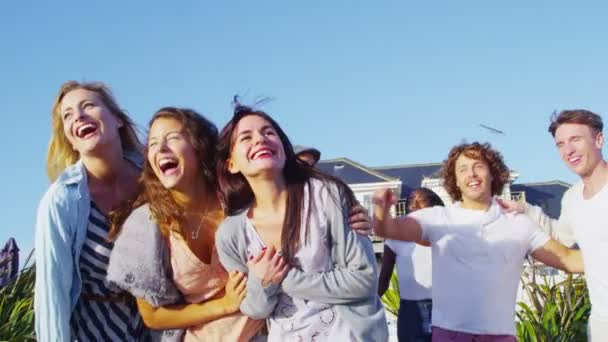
(588, 219)
(413, 264)
(477, 260)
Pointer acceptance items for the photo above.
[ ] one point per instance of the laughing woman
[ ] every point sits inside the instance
(278, 203)
(92, 162)
(165, 250)
(166, 247)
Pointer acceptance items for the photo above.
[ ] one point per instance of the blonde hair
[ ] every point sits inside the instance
(60, 154)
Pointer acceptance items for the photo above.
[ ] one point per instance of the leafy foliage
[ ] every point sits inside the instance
(391, 298)
(556, 311)
(17, 307)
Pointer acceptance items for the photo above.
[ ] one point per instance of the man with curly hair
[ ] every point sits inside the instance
(478, 251)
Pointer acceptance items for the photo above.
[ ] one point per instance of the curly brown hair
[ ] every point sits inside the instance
(168, 214)
(499, 171)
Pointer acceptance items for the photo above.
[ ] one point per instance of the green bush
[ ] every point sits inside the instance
(556, 312)
(17, 307)
(391, 298)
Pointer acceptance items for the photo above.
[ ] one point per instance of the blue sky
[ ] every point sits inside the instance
(383, 82)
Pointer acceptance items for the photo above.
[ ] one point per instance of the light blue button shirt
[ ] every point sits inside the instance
(61, 227)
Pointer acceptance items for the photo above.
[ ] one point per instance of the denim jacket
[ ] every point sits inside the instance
(61, 227)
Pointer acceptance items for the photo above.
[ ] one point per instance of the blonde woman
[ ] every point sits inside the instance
(93, 164)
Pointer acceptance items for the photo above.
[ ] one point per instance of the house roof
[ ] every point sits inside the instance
(352, 172)
(547, 195)
(411, 176)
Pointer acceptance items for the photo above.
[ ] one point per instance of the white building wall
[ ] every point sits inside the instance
(436, 184)
(364, 192)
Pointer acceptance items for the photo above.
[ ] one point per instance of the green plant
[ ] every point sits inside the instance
(17, 306)
(556, 311)
(391, 298)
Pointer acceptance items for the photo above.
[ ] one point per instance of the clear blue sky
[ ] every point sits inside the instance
(380, 82)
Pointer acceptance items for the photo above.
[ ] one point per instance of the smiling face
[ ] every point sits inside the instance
(88, 124)
(473, 179)
(580, 147)
(256, 148)
(171, 154)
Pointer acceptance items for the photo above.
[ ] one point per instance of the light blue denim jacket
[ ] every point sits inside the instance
(61, 227)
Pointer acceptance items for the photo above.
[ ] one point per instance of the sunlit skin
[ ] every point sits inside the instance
(580, 147)
(88, 124)
(93, 131)
(171, 155)
(174, 161)
(258, 154)
(257, 149)
(474, 181)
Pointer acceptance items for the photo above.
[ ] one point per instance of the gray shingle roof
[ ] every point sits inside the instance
(547, 195)
(351, 172)
(411, 176)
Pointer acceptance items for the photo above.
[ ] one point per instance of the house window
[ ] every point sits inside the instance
(401, 208)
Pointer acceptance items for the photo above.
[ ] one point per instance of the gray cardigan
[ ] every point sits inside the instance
(140, 264)
(351, 285)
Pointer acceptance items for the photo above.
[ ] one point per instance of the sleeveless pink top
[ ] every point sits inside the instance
(200, 282)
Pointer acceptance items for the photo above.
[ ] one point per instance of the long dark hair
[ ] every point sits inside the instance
(237, 195)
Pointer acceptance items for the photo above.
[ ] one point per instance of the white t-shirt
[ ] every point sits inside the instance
(413, 269)
(477, 262)
(588, 220)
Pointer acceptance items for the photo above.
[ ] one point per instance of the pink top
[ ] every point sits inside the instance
(200, 282)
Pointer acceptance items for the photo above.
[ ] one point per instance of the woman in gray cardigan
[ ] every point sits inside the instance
(321, 282)
(164, 254)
